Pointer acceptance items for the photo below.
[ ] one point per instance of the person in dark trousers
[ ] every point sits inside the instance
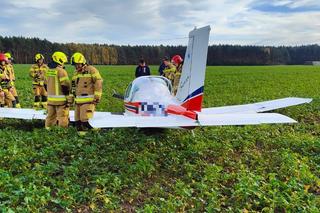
(142, 69)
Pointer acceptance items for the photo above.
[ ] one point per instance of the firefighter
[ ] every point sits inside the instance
(177, 62)
(87, 91)
(2, 73)
(8, 98)
(58, 85)
(38, 74)
(169, 70)
(12, 79)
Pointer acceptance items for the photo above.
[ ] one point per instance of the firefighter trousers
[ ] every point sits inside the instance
(8, 97)
(176, 82)
(2, 99)
(39, 90)
(14, 91)
(40, 94)
(83, 112)
(57, 115)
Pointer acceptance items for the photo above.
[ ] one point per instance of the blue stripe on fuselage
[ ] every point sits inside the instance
(131, 107)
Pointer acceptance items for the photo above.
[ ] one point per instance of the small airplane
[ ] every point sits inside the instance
(149, 102)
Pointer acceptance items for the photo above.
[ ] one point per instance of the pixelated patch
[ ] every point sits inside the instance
(154, 108)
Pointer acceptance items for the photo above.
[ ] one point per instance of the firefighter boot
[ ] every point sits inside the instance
(36, 103)
(14, 104)
(85, 128)
(17, 102)
(44, 102)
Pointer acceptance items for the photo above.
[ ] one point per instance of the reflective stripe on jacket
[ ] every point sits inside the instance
(84, 99)
(86, 85)
(57, 78)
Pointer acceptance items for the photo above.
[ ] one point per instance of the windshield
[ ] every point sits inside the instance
(148, 86)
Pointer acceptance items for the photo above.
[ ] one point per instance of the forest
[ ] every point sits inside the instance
(23, 50)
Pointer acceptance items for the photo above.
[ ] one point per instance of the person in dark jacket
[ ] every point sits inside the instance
(142, 69)
(162, 66)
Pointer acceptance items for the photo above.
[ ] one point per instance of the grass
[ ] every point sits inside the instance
(267, 168)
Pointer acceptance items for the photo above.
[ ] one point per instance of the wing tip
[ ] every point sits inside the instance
(304, 100)
(309, 100)
(285, 118)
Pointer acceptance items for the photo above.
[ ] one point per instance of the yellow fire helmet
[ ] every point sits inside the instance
(59, 58)
(8, 55)
(38, 56)
(78, 58)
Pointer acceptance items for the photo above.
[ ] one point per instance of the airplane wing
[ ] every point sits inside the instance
(27, 114)
(257, 107)
(18, 113)
(103, 119)
(243, 119)
(108, 120)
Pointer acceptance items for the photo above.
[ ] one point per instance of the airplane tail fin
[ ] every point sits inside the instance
(190, 90)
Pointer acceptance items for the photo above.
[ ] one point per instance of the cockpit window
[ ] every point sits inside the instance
(147, 83)
(135, 88)
(128, 91)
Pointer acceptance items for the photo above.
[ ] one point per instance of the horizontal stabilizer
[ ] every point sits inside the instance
(257, 107)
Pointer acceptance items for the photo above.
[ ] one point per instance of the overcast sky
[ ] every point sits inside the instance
(253, 22)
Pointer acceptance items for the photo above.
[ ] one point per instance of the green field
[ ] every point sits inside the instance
(268, 168)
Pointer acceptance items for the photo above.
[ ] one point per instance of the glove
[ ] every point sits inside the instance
(70, 100)
(37, 77)
(97, 99)
(12, 83)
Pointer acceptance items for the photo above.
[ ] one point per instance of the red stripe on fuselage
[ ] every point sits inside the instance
(132, 110)
(179, 110)
(134, 104)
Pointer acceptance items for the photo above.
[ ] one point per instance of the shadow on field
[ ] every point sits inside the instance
(152, 131)
(30, 125)
(24, 125)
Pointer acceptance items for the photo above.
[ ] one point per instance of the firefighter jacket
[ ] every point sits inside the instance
(4, 78)
(87, 85)
(38, 74)
(10, 72)
(178, 70)
(169, 71)
(58, 86)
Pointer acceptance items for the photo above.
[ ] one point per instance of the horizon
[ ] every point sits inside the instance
(174, 45)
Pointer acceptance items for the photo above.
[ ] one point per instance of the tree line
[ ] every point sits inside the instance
(23, 50)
